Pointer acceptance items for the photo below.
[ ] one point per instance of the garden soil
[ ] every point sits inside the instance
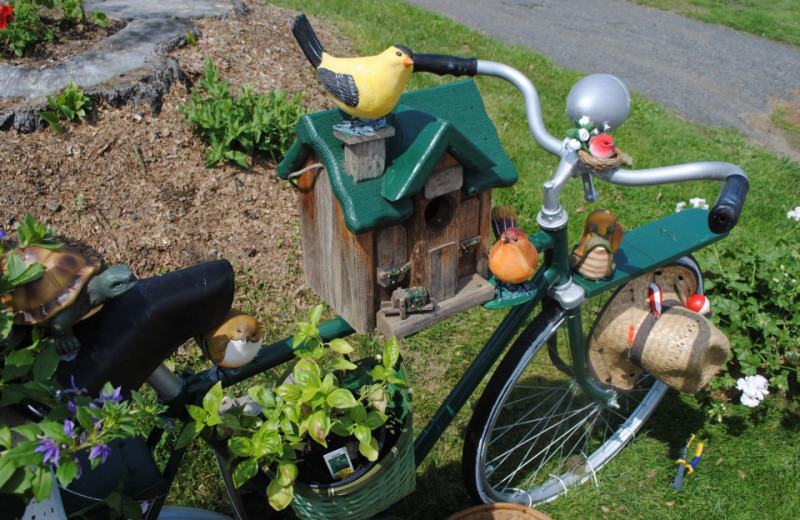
(131, 185)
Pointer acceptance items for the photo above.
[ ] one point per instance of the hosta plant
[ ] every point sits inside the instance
(327, 395)
(70, 103)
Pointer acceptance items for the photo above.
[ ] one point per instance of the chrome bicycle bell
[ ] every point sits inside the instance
(602, 98)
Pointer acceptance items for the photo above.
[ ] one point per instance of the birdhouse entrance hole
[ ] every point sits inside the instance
(440, 212)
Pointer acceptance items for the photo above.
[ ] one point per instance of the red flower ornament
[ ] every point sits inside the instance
(6, 15)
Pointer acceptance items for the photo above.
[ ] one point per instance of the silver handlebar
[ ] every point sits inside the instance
(552, 215)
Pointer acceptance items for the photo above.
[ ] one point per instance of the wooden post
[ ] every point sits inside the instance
(365, 155)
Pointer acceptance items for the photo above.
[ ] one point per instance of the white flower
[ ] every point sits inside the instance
(572, 144)
(753, 388)
(794, 214)
(752, 402)
(680, 206)
(583, 134)
(585, 120)
(697, 202)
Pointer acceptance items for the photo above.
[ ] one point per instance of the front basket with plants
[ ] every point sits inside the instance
(334, 438)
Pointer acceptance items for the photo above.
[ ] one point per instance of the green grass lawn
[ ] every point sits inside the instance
(777, 20)
(750, 467)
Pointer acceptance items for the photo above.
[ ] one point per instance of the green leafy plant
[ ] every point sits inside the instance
(32, 454)
(326, 394)
(21, 26)
(754, 299)
(240, 126)
(70, 103)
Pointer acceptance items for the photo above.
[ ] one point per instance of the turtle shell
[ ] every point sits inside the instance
(65, 273)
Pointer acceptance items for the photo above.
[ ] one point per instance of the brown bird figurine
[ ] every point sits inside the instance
(234, 342)
(513, 258)
(593, 258)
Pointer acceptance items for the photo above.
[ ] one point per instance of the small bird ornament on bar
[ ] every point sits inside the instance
(593, 258)
(602, 146)
(512, 258)
(234, 342)
(365, 88)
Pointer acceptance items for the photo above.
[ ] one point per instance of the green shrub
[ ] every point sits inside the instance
(238, 127)
(755, 297)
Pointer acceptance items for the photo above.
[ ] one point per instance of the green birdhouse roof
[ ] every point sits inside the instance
(449, 118)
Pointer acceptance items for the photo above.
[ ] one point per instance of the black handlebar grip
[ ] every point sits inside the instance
(725, 213)
(442, 64)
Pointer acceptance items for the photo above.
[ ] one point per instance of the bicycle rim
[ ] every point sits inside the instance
(534, 433)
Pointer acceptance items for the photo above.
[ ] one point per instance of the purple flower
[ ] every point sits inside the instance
(115, 397)
(69, 428)
(100, 450)
(2, 235)
(51, 450)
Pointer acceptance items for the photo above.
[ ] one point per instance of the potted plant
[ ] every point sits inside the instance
(40, 445)
(331, 425)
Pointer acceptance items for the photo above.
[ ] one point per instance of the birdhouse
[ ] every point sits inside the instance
(406, 224)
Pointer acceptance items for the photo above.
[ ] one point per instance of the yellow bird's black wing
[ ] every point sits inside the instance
(341, 86)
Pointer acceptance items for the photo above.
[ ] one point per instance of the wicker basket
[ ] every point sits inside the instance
(600, 165)
(389, 480)
(500, 511)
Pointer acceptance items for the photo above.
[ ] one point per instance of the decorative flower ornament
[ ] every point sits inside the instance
(579, 136)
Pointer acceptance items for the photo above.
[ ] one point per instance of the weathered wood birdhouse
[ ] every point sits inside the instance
(395, 227)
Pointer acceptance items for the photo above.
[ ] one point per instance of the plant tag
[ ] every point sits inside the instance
(339, 463)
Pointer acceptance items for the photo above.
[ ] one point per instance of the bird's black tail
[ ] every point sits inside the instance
(503, 217)
(307, 38)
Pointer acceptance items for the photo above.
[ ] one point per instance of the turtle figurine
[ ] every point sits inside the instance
(72, 287)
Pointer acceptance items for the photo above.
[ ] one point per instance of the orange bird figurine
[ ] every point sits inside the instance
(234, 342)
(513, 258)
(593, 258)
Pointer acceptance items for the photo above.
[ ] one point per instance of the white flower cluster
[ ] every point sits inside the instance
(794, 214)
(753, 388)
(695, 202)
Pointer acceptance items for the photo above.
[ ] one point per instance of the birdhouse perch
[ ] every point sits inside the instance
(365, 155)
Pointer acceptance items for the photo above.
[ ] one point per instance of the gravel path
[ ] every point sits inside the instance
(704, 73)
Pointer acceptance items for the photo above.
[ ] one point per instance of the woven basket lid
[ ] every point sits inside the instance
(683, 349)
(500, 511)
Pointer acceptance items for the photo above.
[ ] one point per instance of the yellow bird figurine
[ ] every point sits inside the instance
(234, 342)
(364, 87)
(593, 258)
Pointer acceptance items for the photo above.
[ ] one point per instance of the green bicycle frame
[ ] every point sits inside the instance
(643, 249)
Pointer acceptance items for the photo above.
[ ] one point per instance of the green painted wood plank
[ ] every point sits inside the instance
(655, 244)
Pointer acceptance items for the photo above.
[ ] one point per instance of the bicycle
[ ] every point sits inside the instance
(569, 446)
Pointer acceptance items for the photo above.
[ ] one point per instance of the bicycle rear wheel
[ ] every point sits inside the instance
(534, 432)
